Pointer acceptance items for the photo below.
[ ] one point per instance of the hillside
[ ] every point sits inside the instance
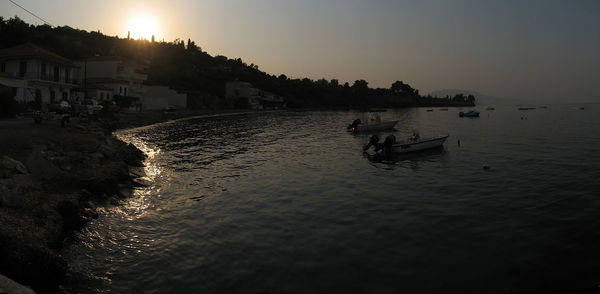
(185, 67)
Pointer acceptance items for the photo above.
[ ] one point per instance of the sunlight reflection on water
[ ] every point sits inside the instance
(290, 196)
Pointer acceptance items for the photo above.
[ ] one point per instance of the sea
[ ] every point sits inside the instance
(287, 202)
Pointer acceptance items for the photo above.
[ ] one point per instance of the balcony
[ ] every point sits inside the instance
(39, 76)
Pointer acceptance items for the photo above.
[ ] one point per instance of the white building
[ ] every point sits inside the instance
(159, 97)
(243, 94)
(123, 77)
(37, 74)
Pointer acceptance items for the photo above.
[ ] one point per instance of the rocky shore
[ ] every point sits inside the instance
(51, 181)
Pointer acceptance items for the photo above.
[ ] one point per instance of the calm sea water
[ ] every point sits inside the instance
(286, 202)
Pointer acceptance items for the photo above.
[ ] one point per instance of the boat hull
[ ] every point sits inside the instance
(381, 126)
(418, 145)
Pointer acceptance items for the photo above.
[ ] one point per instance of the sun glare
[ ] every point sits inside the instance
(142, 26)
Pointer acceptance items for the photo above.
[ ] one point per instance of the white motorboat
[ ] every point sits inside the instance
(416, 144)
(374, 124)
(470, 113)
(412, 144)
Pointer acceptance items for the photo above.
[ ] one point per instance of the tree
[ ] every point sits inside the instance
(360, 85)
(399, 87)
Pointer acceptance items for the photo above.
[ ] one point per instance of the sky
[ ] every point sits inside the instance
(538, 50)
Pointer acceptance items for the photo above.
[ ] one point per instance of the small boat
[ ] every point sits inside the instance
(581, 108)
(470, 113)
(543, 107)
(412, 144)
(526, 108)
(443, 109)
(429, 110)
(374, 124)
(490, 108)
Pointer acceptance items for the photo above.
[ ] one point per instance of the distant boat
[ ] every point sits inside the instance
(443, 109)
(526, 108)
(581, 108)
(374, 124)
(543, 107)
(490, 108)
(415, 143)
(429, 110)
(470, 113)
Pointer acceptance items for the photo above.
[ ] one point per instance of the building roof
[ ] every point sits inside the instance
(32, 51)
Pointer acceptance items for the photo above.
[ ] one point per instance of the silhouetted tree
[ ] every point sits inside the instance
(400, 87)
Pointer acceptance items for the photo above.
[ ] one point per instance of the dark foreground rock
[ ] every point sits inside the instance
(51, 180)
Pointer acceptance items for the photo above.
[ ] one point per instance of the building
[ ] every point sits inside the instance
(121, 76)
(243, 95)
(37, 75)
(159, 97)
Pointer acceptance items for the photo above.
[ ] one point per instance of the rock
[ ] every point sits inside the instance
(82, 128)
(9, 286)
(10, 166)
(114, 201)
(137, 172)
(125, 190)
(107, 151)
(142, 182)
(89, 213)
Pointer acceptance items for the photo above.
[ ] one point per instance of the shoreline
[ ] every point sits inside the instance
(53, 180)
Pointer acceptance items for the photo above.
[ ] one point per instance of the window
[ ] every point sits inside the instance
(38, 97)
(43, 71)
(67, 75)
(124, 91)
(101, 95)
(56, 73)
(3, 67)
(22, 68)
(120, 90)
(65, 96)
(52, 96)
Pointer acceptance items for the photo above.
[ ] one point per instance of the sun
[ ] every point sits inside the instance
(142, 26)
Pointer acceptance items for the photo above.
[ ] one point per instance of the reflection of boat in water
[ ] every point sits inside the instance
(413, 157)
(412, 144)
(470, 113)
(373, 125)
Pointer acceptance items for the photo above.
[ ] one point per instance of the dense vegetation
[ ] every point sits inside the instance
(185, 67)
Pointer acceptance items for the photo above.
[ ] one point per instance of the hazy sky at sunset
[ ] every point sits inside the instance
(538, 49)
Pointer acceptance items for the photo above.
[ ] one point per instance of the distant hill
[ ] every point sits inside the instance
(481, 99)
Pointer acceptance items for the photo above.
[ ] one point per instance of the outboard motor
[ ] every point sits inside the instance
(374, 141)
(387, 144)
(354, 124)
